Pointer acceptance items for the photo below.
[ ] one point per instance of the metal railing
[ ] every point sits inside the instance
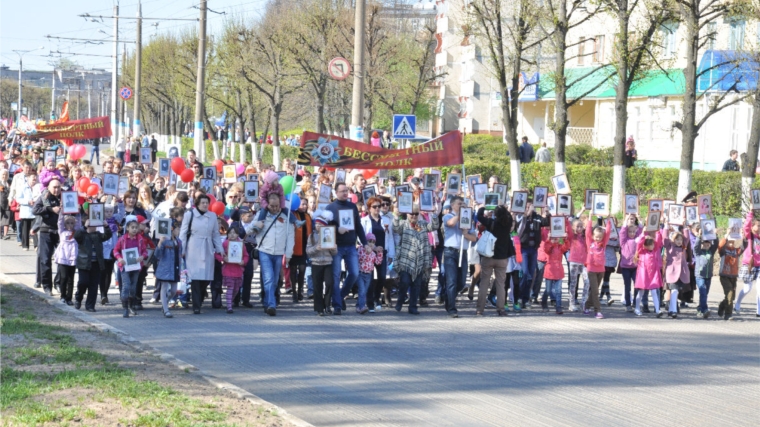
(576, 135)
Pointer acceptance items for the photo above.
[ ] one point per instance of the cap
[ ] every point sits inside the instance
(371, 236)
(141, 219)
(130, 218)
(323, 217)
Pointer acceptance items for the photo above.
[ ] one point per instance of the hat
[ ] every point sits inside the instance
(37, 150)
(416, 181)
(393, 178)
(238, 227)
(371, 236)
(141, 219)
(323, 217)
(130, 218)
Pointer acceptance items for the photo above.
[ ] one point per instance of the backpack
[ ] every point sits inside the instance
(486, 243)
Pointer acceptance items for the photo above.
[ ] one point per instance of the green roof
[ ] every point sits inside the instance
(656, 83)
(546, 85)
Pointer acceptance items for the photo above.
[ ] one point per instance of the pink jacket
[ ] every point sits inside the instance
(648, 273)
(68, 248)
(628, 247)
(595, 258)
(676, 263)
(554, 254)
(542, 256)
(232, 270)
(749, 236)
(126, 242)
(578, 249)
(48, 175)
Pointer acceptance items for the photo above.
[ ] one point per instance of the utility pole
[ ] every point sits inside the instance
(89, 100)
(124, 125)
(138, 67)
(114, 106)
(20, 54)
(357, 100)
(200, 148)
(52, 101)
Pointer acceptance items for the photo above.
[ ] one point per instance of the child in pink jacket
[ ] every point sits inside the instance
(677, 274)
(577, 260)
(232, 272)
(628, 235)
(648, 277)
(554, 250)
(596, 241)
(751, 256)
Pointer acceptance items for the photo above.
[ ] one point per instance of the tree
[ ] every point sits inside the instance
(751, 8)
(633, 59)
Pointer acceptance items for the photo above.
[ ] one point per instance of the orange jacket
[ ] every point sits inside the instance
(300, 239)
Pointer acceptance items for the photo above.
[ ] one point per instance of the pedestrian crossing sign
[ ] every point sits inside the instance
(404, 126)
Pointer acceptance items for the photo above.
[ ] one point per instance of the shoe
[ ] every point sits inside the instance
(321, 313)
(534, 301)
(478, 314)
(706, 314)
(104, 301)
(398, 307)
(289, 291)
(272, 311)
(310, 295)
(599, 316)
(610, 301)
(700, 315)
(453, 315)
(69, 303)
(78, 305)
(371, 310)
(300, 296)
(343, 305)
(63, 300)
(574, 308)
(464, 290)
(168, 315)
(37, 285)
(491, 300)
(628, 309)
(517, 308)
(660, 314)
(415, 311)
(49, 292)
(153, 301)
(90, 309)
(138, 306)
(438, 300)
(337, 312)
(721, 310)
(637, 313)
(502, 313)
(672, 315)
(378, 307)
(359, 310)
(559, 311)
(196, 312)
(229, 311)
(646, 309)
(126, 313)
(683, 305)
(247, 305)
(587, 312)
(544, 306)
(527, 305)
(424, 303)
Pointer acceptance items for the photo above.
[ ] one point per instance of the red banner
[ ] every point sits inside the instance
(336, 152)
(97, 127)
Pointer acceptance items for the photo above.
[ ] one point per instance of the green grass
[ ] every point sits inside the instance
(61, 353)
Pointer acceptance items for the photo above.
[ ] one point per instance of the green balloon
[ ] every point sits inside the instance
(287, 184)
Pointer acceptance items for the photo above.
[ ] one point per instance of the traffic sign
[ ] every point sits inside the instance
(125, 93)
(404, 126)
(339, 68)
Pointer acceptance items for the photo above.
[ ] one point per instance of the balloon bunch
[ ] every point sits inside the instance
(77, 151)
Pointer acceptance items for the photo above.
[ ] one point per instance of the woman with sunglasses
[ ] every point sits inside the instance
(382, 227)
(415, 256)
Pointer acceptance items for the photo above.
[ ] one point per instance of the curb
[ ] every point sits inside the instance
(129, 340)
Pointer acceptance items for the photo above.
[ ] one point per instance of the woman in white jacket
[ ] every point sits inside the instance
(276, 237)
(381, 225)
(25, 199)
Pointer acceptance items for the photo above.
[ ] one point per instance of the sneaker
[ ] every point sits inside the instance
(152, 300)
(371, 310)
(599, 315)
(78, 305)
(628, 309)
(517, 308)
(637, 313)
(646, 309)
(272, 311)
(104, 301)
(660, 314)
(478, 314)
(310, 295)
(492, 300)
(527, 305)
(358, 310)
(378, 307)
(229, 311)
(707, 314)
(453, 315)
(684, 305)
(68, 302)
(672, 315)
(559, 311)
(438, 300)
(587, 312)
(574, 307)
(90, 309)
(337, 312)
(168, 315)
(63, 300)
(321, 313)
(700, 315)
(610, 301)
(49, 292)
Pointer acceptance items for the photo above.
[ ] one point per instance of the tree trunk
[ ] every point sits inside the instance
(689, 129)
(276, 136)
(621, 115)
(560, 105)
(320, 118)
(748, 173)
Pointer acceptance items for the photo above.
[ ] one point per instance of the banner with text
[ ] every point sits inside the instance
(336, 152)
(96, 127)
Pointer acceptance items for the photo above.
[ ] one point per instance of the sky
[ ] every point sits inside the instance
(24, 25)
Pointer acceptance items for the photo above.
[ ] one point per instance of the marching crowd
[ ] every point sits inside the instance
(319, 236)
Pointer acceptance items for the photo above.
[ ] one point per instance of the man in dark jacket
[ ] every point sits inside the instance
(529, 230)
(48, 206)
(90, 263)
(153, 148)
(731, 165)
(526, 151)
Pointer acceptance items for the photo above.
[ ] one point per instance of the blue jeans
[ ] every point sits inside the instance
(553, 288)
(413, 286)
(270, 274)
(120, 155)
(629, 275)
(456, 276)
(363, 282)
(529, 264)
(703, 284)
(128, 284)
(438, 254)
(96, 152)
(349, 255)
(18, 231)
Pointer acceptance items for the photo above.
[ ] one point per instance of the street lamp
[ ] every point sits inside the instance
(20, 54)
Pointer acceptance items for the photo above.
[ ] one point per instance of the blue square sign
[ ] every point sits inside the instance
(404, 126)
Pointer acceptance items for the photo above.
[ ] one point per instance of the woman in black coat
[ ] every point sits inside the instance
(500, 225)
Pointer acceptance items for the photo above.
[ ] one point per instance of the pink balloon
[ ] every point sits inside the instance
(239, 168)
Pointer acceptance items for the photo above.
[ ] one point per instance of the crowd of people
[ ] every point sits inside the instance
(318, 235)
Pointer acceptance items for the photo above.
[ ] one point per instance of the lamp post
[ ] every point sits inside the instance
(21, 54)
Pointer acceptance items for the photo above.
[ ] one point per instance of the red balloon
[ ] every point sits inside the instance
(219, 164)
(178, 165)
(187, 175)
(368, 173)
(77, 151)
(217, 208)
(93, 190)
(83, 184)
(211, 199)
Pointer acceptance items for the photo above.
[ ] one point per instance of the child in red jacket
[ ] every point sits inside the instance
(232, 272)
(596, 241)
(553, 271)
(128, 279)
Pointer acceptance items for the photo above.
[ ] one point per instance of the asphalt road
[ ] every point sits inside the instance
(393, 369)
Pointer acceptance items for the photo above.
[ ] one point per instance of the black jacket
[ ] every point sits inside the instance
(530, 230)
(44, 208)
(89, 242)
(504, 248)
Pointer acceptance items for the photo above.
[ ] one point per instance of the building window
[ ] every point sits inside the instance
(599, 49)
(736, 35)
(581, 49)
(668, 32)
(712, 34)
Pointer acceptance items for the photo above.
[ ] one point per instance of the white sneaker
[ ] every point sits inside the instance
(574, 308)
(378, 307)
(152, 300)
(700, 314)
(629, 309)
(637, 312)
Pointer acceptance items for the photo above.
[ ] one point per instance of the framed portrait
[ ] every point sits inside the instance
(209, 172)
(479, 193)
(588, 200)
(123, 185)
(229, 173)
(369, 191)
(614, 235)
(327, 237)
(601, 204)
(173, 150)
(207, 185)
(163, 227)
(130, 257)
(251, 191)
(465, 218)
(675, 214)
(631, 204)
(145, 156)
(402, 189)
(564, 205)
(653, 221)
(539, 196)
(172, 178)
(704, 204)
(551, 204)
(709, 230)
(325, 192)
(472, 180)
(430, 181)
(692, 215)
(253, 177)
(561, 185)
(755, 199)
(164, 165)
(340, 175)
(49, 157)
(70, 202)
(182, 185)
(558, 229)
(96, 215)
(501, 189)
(111, 184)
(405, 202)
(492, 200)
(346, 219)
(519, 201)
(666, 204)
(60, 160)
(735, 228)
(654, 205)
(427, 201)
(235, 252)
(453, 183)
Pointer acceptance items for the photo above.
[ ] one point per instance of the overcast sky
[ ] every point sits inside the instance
(25, 23)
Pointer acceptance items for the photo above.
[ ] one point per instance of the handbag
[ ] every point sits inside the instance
(14, 206)
(486, 244)
(255, 253)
